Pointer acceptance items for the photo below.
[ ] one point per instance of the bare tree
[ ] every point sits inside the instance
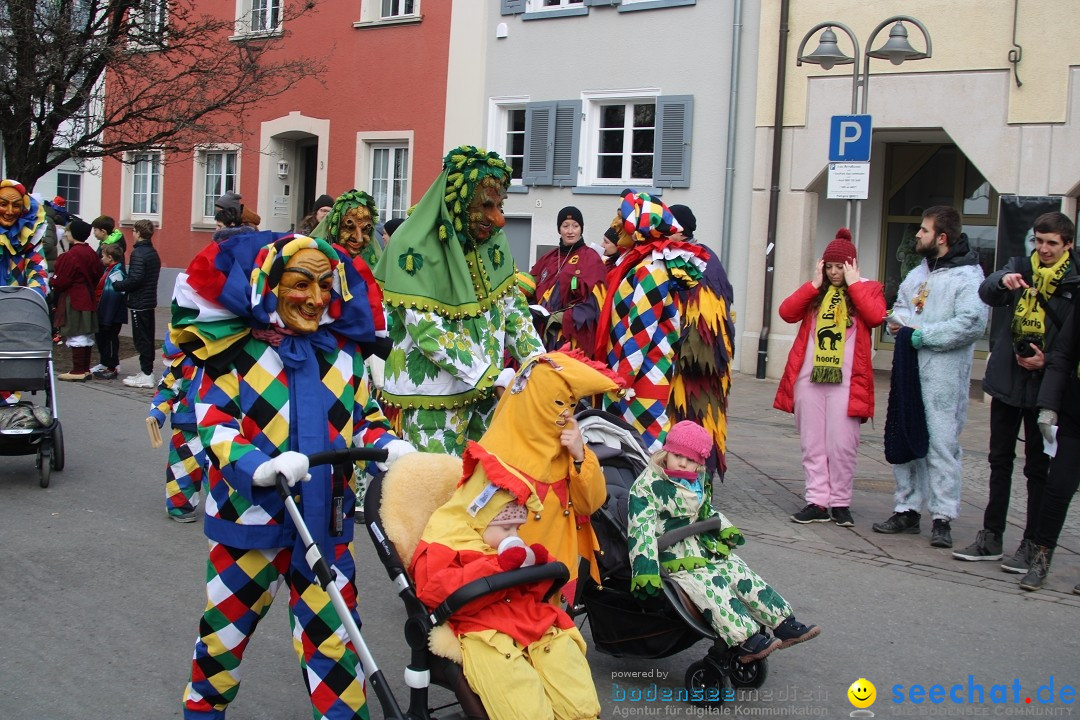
(97, 78)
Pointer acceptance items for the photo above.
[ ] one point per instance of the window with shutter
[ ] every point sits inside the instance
(564, 163)
(674, 116)
(539, 143)
(512, 7)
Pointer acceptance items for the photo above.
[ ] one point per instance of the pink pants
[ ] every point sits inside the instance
(830, 441)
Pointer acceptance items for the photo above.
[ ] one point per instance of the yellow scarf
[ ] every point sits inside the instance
(1029, 319)
(832, 321)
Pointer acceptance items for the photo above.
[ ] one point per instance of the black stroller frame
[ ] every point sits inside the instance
(622, 625)
(26, 365)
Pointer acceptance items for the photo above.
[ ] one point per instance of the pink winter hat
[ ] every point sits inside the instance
(689, 439)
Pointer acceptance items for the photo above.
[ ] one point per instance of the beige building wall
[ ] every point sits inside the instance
(1025, 140)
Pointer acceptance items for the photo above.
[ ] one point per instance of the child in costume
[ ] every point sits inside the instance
(176, 398)
(829, 378)
(523, 656)
(735, 600)
(277, 325)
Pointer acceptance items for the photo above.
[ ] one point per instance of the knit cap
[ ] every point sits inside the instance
(689, 439)
(686, 218)
(229, 201)
(79, 229)
(511, 514)
(323, 201)
(840, 250)
(569, 213)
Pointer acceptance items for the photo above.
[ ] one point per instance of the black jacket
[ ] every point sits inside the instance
(141, 283)
(1060, 389)
(1004, 379)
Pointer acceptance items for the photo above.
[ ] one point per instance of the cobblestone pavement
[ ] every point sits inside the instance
(764, 486)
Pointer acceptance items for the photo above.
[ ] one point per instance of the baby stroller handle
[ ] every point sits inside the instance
(346, 455)
(679, 534)
(554, 571)
(325, 576)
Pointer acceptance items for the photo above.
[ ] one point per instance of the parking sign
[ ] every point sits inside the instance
(849, 138)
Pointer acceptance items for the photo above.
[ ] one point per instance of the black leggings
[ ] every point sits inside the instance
(1058, 493)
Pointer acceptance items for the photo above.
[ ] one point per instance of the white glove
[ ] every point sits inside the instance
(505, 377)
(395, 450)
(376, 370)
(293, 465)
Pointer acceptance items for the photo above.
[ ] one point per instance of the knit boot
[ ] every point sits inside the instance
(1040, 568)
(80, 365)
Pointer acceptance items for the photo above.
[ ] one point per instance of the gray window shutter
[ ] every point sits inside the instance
(594, 3)
(565, 147)
(539, 141)
(512, 7)
(674, 120)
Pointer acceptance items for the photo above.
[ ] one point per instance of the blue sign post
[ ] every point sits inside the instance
(849, 138)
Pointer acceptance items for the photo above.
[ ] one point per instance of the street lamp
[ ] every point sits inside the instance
(828, 54)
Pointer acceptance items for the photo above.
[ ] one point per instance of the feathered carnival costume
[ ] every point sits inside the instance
(641, 324)
(22, 257)
(454, 308)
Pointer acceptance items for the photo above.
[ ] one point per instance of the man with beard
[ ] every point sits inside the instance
(939, 312)
(454, 306)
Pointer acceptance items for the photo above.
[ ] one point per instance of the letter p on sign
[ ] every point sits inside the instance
(849, 138)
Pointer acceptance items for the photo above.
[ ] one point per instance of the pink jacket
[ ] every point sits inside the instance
(868, 297)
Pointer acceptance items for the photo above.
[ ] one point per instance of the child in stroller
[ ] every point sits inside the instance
(663, 596)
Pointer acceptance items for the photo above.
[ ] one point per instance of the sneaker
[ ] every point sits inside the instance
(1040, 568)
(901, 522)
(97, 368)
(105, 374)
(757, 646)
(941, 534)
(987, 546)
(792, 632)
(183, 517)
(842, 517)
(811, 513)
(73, 377)
(142, 380)
(1020, 562)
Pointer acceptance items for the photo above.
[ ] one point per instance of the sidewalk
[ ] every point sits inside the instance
(764, 486)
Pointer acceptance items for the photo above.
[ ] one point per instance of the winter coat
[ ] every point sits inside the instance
(868, 299)
(111, 307)
(1060, 388)
(1004, 378)
(571, 280)
(141, 283)
(76, 277)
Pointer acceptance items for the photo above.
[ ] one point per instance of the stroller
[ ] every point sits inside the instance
(26, 366)
(394, 544)
(622, 625)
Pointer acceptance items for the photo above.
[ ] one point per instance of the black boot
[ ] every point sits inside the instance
(1040, 568)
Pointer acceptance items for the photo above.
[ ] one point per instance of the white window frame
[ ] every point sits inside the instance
(138, 17)
(366, 145)
(499, 128)
(73, 206)
(245, 10)
(199, 219)
(129, 210)
(538, 6)
(371, 13)
(591, 104)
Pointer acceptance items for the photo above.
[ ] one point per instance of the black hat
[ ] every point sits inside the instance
(391, 225)
(323, 201)
(79, 229)
(569, 213)
(612, 234)
(686, 218)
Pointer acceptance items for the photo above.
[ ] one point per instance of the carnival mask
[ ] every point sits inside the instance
(485, 210)
(357, 229)
(304, 290)
(11, 206)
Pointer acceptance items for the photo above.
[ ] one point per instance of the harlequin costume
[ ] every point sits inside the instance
(454, 307)
(702, 378)
(267, 390)
(640, 324)
(175, 401)
(22, 257)
(733, 599)
(525, 437)
(570, 286)
(523, 656)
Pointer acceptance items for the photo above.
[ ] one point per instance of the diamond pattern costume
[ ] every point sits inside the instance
(732, 598)
(454, 308)
(175, 400)
(640, 325)
(268, 390)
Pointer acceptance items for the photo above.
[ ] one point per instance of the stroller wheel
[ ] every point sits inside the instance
(58, 448)
(44, 468)
(705, 684)
(748, 675)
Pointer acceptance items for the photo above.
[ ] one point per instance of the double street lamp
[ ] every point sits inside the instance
(828, 54)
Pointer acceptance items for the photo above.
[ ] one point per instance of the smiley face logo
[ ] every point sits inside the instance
(862, 693)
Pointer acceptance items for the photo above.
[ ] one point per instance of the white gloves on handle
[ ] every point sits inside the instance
(376, 370)
(293, 465)
(395, 450)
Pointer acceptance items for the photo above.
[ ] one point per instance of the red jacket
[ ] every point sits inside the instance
(76, 275)
(869, 300)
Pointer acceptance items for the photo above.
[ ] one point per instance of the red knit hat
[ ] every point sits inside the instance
(689, 439)
(840, 250)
